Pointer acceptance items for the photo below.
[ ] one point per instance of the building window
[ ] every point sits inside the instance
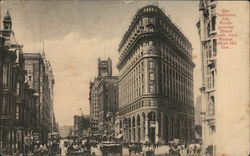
(211, 106)
(5, 74)
(17, 112)
(150, 43)
(214, 47)
(213, 23)
(151, 102)
(151, 76)
(208, 29)
(151, 64)
(213, 79)
(151, 88)
(18, 88)
(3, 106)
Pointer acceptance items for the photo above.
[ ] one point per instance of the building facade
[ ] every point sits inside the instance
(197, 119)
(81, 125)
(107, 103)
(94, 108)
(103, 99)
(17, 100)
(155, 80)
(207, 31)
(40, 78)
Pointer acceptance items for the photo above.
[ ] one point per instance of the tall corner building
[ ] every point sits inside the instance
(155, 80)
(206, 28)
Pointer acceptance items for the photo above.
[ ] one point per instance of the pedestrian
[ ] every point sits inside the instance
(37, 150)
(175, 149)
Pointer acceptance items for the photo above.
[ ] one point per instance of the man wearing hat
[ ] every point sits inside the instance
(175, 149)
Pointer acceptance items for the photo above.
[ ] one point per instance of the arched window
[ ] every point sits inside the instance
(151, 116)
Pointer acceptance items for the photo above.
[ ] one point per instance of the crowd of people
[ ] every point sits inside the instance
(74, 147)
(174, 148)
(77, 147)
(41, 149)
(178, 149)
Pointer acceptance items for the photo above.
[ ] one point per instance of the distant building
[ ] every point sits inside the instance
(207, 31)
(107, 103)
(198, 110)
(197, 119)
(103, 98)
(65, 131)
(104, 67)
(81, 125)
(155, 80)
(94, 108)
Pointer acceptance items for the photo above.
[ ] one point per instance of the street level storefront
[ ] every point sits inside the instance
(152, 125)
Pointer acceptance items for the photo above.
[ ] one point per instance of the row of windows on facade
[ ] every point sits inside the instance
(106, 91)
(23, 116)
(165, 53)
(8, 77)
(95, 110)
(135, 79)
(179, 84)
(180, 96)
(183, 96)
(142, 26)
(140, 104)
(177, 81)
(179, 124)
(135, 84)
(9, 107)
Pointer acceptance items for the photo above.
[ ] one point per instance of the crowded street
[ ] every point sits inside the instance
(88, 147)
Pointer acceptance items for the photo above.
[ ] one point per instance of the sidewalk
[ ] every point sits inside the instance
(162, 150)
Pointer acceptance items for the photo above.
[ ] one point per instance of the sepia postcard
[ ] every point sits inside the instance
(124, 78)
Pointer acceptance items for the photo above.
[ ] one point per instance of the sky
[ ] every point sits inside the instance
(77, 33)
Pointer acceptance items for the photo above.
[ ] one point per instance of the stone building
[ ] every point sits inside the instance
(207, 31)
(17, 100)
(103, 98)
(155, 80)
(107, 103)
(94, 111)
(40, 78)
